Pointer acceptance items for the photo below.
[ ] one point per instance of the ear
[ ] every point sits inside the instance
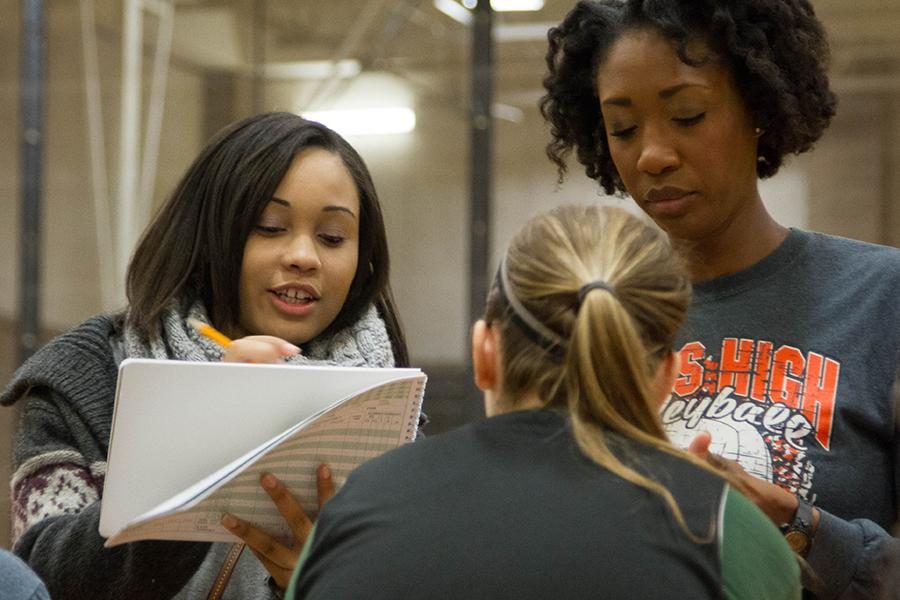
(665, 376)
(484, 355)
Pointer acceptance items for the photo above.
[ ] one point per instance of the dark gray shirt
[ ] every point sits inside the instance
(792, 365)
(510, 508)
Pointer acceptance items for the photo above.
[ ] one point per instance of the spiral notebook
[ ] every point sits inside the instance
(190, 441)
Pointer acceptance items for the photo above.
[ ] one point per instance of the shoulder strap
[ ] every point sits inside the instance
(221, 582)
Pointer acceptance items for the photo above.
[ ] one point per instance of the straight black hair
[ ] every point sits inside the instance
(194, 247)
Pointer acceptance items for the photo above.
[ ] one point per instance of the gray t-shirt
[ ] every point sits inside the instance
(791, 365)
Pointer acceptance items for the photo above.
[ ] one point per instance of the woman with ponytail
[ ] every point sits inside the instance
(570, 488)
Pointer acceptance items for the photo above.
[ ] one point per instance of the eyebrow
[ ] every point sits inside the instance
(664, 94)
(329, 208)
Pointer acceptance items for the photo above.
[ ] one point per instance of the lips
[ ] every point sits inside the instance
(296, 294)
(665, 194)
(667, 202)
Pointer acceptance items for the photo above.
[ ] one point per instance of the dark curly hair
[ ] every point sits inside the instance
(776, 51)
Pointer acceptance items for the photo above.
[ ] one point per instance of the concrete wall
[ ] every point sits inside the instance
(852, 172)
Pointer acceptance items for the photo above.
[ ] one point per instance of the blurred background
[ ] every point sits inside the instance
(438, 96)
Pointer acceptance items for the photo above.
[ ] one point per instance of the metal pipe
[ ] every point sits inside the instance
(258, 57)
(155, 107)
(349, 47)
(32, 98)
(96, 146)
(160, 7)
(481, 127)
(129, 132)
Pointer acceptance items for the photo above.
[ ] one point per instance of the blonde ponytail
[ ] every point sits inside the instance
(589, 300)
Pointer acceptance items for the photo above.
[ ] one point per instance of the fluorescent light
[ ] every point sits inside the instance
(516, 5)
(522, 32)
(366, 121)
(459, 11)
(507, 112)
(313, 69)
(454, 11)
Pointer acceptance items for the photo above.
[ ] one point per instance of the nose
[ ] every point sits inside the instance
(658, 154)
(301, 254)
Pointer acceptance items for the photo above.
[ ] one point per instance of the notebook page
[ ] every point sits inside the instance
(343, 437)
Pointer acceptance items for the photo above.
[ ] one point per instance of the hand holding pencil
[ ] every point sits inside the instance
(250, 349)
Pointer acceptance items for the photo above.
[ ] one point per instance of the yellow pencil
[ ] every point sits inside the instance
(210, 332)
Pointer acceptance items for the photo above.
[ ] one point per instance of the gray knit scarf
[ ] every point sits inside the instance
(363, 344)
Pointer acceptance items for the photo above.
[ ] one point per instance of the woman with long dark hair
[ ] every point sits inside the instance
(274, 236)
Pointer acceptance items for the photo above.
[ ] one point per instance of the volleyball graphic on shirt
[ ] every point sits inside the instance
(734, 440)
(764, 404)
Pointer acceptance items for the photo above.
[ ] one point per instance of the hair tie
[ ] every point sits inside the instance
(584, 290)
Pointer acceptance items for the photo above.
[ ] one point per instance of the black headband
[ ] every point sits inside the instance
(529, 325)
(534, 330)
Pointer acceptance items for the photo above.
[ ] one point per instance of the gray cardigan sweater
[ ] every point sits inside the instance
(68, 391)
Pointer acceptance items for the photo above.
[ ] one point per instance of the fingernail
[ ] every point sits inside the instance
(228, 521)
(324, 472)
(269, 482)
(290, 350)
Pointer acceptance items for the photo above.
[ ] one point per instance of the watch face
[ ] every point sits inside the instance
(798, 541)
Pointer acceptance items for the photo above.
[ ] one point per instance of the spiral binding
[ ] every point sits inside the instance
(412, 426)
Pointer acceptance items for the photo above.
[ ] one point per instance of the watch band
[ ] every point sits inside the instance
(799, 533)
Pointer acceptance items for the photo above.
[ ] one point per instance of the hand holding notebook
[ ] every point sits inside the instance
(190, 440)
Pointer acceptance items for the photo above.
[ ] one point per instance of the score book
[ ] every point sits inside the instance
(190, 441)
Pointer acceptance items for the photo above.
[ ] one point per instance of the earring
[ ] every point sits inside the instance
(758, 131)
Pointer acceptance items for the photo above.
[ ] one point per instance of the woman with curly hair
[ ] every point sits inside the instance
(790, 356)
